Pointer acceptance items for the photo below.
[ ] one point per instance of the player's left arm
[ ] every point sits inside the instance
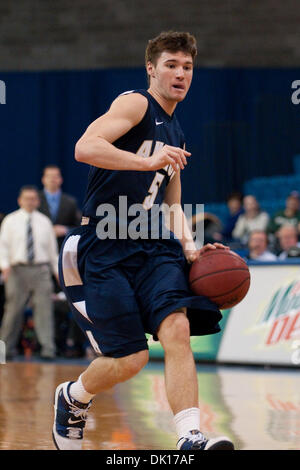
(178, 223)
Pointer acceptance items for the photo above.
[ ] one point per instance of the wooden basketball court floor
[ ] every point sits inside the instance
(257, 408)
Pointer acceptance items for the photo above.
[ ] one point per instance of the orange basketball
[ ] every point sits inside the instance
(222, 276)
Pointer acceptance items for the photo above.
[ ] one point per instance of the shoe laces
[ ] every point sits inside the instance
(74, 433)
(79, 412)
(196, 437)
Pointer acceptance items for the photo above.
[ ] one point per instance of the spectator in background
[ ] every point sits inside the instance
(289, 215)
(58, 206)
(258, 247)
(65, 215)
(210, 224)
(235, 209)
(252, 219)
(288, 242)
(28, 251)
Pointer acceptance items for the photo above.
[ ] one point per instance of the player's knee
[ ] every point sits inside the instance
(174, 331)
(131, 365)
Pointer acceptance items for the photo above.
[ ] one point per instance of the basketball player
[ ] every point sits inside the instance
(120, 288)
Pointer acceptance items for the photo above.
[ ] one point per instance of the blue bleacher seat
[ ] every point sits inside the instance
(218, 209)
(272, 206)
(272, 188)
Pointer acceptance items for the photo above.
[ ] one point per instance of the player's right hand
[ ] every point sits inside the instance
(168, 155)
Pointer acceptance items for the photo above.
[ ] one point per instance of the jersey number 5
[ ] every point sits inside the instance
(153, 190)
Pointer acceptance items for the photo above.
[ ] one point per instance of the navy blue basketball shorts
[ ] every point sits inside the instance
(118, 290)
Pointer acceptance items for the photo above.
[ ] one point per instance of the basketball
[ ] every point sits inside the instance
(222, 276)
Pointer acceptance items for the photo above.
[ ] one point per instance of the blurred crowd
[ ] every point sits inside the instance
(35, 318)
(254, 233)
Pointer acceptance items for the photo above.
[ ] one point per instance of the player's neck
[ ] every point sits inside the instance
(167, 105)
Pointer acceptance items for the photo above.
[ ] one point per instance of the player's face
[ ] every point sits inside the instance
(172, 75)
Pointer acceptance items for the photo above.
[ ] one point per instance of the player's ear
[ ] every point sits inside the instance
(150, 69)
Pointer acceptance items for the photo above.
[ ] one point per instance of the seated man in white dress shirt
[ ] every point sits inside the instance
(28, 254)
(258, 247)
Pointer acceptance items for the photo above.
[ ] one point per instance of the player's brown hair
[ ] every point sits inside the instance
(171, 41)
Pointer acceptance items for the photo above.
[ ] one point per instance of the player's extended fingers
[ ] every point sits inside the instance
(183, 153)
(172, 162)
(186, 153)
(207, 247)
(221, 246)
(178, 156)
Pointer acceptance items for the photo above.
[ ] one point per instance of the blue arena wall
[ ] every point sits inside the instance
(239, 124)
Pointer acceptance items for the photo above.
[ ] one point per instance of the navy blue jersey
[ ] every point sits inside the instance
(121, 287)
(156, 129)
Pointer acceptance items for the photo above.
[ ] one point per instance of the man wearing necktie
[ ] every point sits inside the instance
(30, 244)
(65, 215)
(28, 254)
(60, 207)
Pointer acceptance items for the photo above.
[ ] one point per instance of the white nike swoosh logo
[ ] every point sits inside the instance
(158, 123)
(70, 421)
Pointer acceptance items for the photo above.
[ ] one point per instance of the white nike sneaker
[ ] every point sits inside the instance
(69, 419)
(195, 440)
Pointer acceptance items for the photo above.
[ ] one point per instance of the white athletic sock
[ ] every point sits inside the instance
(79, 393)
(187, 420)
